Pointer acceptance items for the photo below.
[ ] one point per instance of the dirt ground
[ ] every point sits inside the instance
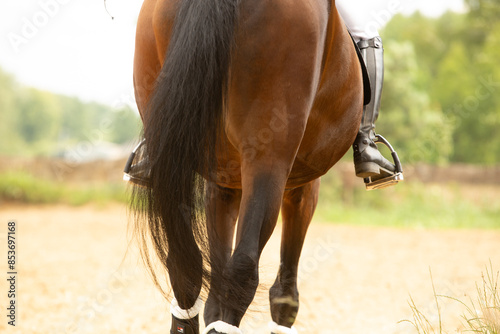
(78, 274)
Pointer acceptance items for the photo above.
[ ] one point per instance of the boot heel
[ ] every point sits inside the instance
(367, 169)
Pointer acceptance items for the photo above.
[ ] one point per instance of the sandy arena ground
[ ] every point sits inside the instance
(76, 276)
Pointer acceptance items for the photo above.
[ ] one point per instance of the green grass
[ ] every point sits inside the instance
(19, 186)
(409, 204)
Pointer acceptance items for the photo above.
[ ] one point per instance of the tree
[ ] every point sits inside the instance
(416, 127)
(39, 119)
(456, 61)
(477, 107)
(482, 15)
(11, 139)
(35, 122)
(125, 123)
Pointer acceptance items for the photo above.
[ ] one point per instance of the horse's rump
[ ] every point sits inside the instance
(255, 96)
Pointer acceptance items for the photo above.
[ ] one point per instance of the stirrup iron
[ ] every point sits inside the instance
(379, 183)
(126, 171)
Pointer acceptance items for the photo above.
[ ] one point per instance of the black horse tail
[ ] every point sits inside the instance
(183, 120)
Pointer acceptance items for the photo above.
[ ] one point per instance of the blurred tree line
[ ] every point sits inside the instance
(441, 99)
(35, 122)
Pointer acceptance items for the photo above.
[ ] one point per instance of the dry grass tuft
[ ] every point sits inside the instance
(481, 315)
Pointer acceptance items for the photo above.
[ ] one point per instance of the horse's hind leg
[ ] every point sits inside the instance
(297, 211)
(222, 212)
(260, 205)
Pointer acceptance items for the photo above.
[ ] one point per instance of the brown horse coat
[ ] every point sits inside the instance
(262, 97)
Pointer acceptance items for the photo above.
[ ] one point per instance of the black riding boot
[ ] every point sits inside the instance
(368, 161)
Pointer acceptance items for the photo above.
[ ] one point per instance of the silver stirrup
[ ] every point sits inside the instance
(126, 176)
(390, 180)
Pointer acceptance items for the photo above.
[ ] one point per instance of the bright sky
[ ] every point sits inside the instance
(74, 47)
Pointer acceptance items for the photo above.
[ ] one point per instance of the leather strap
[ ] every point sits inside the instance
(366, 78)
(370, 43)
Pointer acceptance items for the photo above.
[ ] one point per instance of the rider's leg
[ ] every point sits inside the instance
(361, 17)
(368, 161)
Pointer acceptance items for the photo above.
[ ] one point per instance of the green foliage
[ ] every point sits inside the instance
(409, 205)
(126, 123)
(417, 128)
(441, 98)
(20, 186)
(39, 119)
(35, 122)
(482, 15)
(10, 137)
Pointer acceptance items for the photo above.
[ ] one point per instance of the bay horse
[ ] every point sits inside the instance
(245, 105)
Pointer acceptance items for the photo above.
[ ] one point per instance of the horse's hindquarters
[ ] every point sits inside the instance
(336, 113)
(275, 73)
